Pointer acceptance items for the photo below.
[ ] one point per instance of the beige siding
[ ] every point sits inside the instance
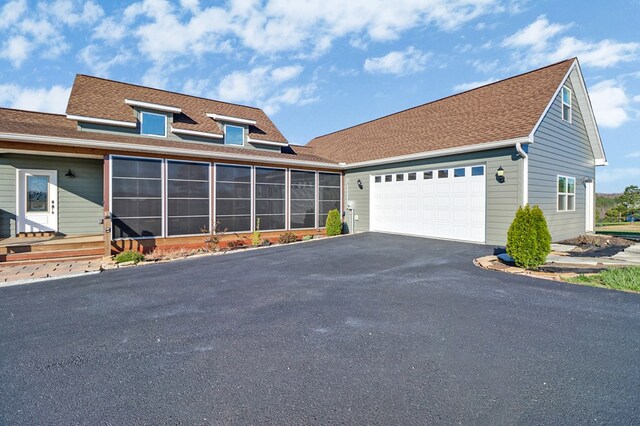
(79, 198)
(502, 199)
(561, 148)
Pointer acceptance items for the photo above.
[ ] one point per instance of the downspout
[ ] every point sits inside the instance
(525, 173)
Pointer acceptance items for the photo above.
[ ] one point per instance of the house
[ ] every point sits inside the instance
(142, 168)
(459, 167)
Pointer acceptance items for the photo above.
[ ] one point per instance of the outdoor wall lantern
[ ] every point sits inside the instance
(70, 174)
(500, 175)
(359, 182)
(586, 180)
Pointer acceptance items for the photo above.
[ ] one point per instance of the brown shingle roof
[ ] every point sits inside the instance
(101, 98)
(53, 125)
(499, 111)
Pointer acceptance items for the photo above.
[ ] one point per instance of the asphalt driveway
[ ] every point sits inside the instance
(366, 329)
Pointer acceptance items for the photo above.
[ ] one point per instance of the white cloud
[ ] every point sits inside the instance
(633, 154)
(11, 12)
(73, 12)
(485, 66)
(538, 44)
(408, 61)
(536, 35)
(636, 98)
(610, 103)
(100, 61)
(110, 30)
(618, 174)
(472, 85)
(262, 86)
(16, 49)
(53, 99)
(286, 73)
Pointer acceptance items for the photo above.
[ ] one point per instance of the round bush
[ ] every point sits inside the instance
(528, 239)
(334, 223)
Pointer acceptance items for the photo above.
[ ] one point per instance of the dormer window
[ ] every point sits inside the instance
(566, 104)
(153, 124)
(233, 135)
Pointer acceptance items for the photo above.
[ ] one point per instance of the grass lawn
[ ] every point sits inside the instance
(614, 278)
(619, 228)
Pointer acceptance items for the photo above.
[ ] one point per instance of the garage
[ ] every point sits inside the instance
(436, 202)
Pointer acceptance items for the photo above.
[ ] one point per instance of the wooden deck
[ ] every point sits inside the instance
(15, 249)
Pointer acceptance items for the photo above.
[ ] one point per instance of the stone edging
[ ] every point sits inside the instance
(492, 263)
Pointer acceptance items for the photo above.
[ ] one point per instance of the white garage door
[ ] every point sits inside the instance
(440, 203)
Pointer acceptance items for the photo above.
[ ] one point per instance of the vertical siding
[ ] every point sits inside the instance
(502, 199)
(79, 198)
(561, 148)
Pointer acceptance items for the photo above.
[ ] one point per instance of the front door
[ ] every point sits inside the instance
(37, 209)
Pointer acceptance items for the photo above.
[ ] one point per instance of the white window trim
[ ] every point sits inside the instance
(225, 134)
(566, 193)
(142, 113)
(570, 120)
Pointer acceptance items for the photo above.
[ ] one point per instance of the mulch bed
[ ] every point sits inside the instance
(597, 245)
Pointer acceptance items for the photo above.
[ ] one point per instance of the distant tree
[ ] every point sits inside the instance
(630, 199)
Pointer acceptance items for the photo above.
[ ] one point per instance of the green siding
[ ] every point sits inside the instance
(502, 199)
(79, 198)
(561, 148)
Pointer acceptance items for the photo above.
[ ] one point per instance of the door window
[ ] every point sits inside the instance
(37, 194)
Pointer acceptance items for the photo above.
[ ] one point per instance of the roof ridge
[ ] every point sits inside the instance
(445, 98)
(173, 92)
(32, 112)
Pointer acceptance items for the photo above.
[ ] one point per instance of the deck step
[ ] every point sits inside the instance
(52, 260)
(35, 234)
(49, 246)
(57, 254)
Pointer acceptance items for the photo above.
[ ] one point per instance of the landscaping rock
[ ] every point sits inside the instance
(506, 258)
(562, 247)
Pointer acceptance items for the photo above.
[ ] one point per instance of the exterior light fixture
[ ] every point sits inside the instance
(359, 182)
(500, 175)
(70, 174)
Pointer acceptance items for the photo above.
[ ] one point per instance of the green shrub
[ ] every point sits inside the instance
(129, 256)
(528, 239)
(334, 223)
(256, 237)
(307, 238)
(287, 237)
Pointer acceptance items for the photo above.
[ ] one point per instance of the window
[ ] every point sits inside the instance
(458, 172)
(188, 201)
(233, 198)
(477, 171)
(303, 199)
(411, 176)
(566, 193)
(428, 175)
(270, 193)
(399, 177)
(378, 179)
(233, 135)
(443, 174)
(136, 193)
(566, 104)
(153, 124)
(329, 190)
(388, 178)
(37, 193)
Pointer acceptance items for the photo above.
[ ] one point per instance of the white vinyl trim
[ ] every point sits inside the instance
(149, 105)
(231, 119)
(195, 133)
(102, 121)
(263, 142)
(439, 153)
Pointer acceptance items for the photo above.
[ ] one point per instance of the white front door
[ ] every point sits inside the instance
(37, 199)
(589, 204)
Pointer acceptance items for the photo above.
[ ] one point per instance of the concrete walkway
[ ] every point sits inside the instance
(628, 257)
(26, 272)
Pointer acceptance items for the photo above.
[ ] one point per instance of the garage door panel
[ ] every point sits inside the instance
(443, 207)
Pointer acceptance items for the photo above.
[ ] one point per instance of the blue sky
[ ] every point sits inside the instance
(319, 66)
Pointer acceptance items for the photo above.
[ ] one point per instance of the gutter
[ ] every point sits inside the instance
(525, 173)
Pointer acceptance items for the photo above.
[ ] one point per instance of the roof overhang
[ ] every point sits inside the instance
(105, 121)
(589, 117)
(230, 119)
(152, 106)
(150, 149)
(195, 133)
(264, 142)
(438, 153)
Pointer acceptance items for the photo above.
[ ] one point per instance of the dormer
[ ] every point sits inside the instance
(154, 118)
(236, 131)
